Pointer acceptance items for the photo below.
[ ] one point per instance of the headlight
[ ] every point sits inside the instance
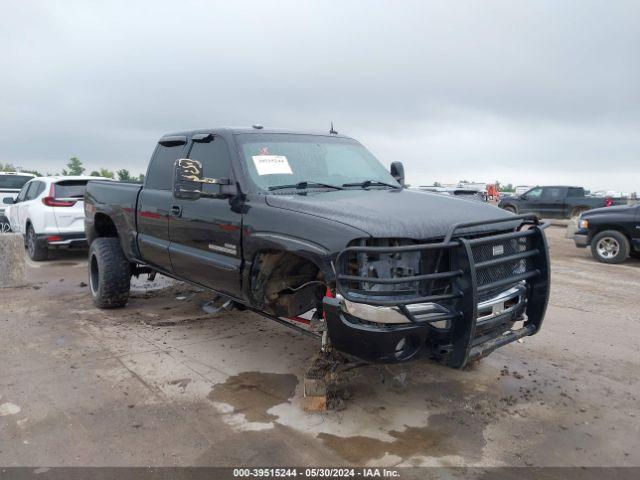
(584, 224)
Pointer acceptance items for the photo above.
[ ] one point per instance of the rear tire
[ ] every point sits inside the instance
(109, 273)
(37, 252)
(610, 246)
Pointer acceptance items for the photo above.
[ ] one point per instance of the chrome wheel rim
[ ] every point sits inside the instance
(608, 247)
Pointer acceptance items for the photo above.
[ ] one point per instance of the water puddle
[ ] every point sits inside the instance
(254, 393)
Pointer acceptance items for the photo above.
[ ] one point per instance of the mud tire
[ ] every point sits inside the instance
(109, 273)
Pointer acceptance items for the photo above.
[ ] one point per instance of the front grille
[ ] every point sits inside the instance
(504, 248)
(392, 272)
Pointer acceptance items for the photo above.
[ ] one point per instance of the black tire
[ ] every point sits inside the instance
(610, 246)
(511, 208)
(109, 273)
(36, 250)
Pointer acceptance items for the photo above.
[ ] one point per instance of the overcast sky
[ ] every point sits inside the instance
(524, 92)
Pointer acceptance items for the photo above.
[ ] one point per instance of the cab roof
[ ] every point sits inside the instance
(253, 129)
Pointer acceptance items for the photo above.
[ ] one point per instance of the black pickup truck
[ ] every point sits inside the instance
(613, 233)
(288, 223)
(554, 202)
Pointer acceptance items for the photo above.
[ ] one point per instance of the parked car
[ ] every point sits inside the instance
(287, 223)
(612, 233)
(10, 185)
(49, 212)
(554, 202)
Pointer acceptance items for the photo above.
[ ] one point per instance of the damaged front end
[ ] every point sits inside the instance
(455, 300)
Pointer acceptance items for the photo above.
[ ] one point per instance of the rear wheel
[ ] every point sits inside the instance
(610, 246)
(109, 273)
(37, 251)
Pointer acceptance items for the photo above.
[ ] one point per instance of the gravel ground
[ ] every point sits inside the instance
(161, 382)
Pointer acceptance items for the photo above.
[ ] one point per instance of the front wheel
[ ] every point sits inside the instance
(610, 246)
(37, 251)
(109, 273)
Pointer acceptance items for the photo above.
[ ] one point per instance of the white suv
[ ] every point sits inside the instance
(10, 185)
(49, 212)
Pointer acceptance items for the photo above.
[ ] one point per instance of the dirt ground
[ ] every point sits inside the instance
(162, 383)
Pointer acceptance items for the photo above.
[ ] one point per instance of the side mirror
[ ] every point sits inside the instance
(189, 180)
(397, 172)
(8, 201)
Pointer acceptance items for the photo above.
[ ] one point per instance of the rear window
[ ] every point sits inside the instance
(13, 181)
(70, 188)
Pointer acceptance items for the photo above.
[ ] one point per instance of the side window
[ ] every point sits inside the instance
(575, 192)
(23, 192)
(553, 193)
(534, 193)
(40, 189)
(160, 174)
(215, 159)
(32, 191)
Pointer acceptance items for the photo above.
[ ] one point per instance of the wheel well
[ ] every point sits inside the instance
(615, 228)
(104, 226)
(285, 284)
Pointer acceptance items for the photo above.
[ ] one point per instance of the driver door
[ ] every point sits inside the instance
(205, 233)
(531, 201)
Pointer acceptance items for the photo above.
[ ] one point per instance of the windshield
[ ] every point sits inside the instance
(275, 159)
(13, 181)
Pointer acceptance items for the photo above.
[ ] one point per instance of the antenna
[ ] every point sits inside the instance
(332, 131)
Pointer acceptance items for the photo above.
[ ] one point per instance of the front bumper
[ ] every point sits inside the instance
(477, 312)
(581, 240)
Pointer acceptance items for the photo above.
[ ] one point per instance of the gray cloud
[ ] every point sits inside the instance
(527, 92)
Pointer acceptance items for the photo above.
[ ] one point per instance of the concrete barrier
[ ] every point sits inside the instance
(572, 228)
(12, 264)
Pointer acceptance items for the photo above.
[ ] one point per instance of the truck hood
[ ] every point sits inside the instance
(614, 209)
(393, 213)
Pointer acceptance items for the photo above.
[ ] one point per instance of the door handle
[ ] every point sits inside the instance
(176, 210)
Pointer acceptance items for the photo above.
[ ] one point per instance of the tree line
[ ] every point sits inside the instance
(75, 167)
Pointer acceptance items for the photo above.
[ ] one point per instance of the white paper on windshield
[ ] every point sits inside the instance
(272, 164)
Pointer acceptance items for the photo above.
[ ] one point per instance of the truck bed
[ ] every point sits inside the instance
(117, 200)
